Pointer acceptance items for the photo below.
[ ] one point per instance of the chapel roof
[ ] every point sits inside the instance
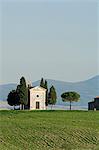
(38, 88)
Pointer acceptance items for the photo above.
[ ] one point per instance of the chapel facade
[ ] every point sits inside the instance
(37, 98)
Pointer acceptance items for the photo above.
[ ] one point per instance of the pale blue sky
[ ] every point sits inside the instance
(55, 40)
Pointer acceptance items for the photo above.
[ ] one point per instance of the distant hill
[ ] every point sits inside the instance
(5, 89)
(87, 89)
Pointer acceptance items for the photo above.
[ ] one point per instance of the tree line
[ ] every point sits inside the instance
(20, 95)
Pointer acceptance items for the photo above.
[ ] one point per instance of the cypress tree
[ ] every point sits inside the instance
(52, 96)
(46, 87)
(42, 84)
(22, 92)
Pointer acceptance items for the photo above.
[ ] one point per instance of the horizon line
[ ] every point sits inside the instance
(55, 80)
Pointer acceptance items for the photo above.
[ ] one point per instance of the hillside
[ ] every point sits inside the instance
(88, 89)
(49, 130)
(5, 89)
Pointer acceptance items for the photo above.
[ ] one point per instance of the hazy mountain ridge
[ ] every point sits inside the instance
(88, 89)
(5, 89)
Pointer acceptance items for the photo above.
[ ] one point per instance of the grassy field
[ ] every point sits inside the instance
(49, 130)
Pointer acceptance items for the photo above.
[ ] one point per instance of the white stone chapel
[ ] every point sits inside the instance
(37, 98)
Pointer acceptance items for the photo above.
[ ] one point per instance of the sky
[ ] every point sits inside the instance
(51, 39)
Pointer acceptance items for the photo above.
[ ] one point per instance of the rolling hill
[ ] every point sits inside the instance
(87, 89)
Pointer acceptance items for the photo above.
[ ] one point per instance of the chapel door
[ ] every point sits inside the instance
(37, 105)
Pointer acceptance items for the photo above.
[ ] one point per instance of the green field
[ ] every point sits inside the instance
(49, 130)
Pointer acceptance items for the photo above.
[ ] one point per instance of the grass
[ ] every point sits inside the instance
(49, 130)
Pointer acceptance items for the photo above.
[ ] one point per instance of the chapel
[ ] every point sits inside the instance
(37, 98)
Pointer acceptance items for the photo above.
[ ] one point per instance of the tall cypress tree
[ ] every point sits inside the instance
(22, 91)
(46, 87)
(52, 96)
(42, 84)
